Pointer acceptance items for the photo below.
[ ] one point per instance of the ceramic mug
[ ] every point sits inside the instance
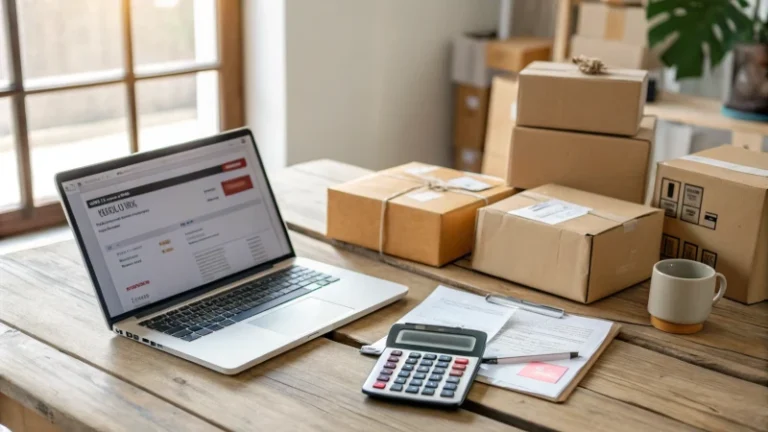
(682, 295)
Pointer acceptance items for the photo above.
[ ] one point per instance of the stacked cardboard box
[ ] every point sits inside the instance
(476, 59)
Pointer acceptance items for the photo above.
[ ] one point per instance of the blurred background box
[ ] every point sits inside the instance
(603, 21)
(615, 54)
(468, 159)
(468, 59)
(502, 115)
(470, 115)
(513, 55)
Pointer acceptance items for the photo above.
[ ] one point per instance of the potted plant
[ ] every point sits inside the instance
(692, 32)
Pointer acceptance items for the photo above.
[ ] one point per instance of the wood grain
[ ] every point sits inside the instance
(18, 418)
(74, 396)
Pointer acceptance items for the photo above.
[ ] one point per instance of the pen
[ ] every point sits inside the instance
(531, 358)
(526, 305)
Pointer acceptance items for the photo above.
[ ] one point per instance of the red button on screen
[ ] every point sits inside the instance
(236, 185)
(462, 361)
(379, 385)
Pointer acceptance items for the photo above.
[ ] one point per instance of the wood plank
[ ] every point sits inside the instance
(313, 387)
(74, 396)
(734, 341)
(18, 418)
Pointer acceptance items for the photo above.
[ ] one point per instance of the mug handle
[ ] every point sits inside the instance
(721, 291)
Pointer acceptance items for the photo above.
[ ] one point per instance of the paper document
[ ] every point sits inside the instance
(454, 308)
(529, 333)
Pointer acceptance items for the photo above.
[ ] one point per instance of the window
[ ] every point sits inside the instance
(83, 81)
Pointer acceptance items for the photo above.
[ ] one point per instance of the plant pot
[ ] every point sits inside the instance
(748, 92)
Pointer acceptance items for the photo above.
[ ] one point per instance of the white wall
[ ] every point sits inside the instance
(366, 81)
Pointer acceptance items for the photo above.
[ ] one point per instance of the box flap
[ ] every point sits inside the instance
(566, 70)
(746, 161)
(605, 213)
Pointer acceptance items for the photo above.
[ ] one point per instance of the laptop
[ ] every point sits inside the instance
(188, 254)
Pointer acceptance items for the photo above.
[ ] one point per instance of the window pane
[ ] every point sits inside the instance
(177, 109)
(173, 31)
(72, 37)
(10, 197)
(72, 128)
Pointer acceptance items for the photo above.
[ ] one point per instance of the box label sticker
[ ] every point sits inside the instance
(670, 208)
(693, 195)
(543, 372)
(421, 170)
(690, 214)
(513, 111)
(690, 251)
(709, 258)
(551, 212)
(669, 246)
(469, 183)
(424, 196)
(727, 165)
(710, 220)
(472, 102)
(670, 190)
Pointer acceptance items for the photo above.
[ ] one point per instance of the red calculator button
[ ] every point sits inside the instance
(461, 361)
(460, 367)
(379, 385)
(456, 373)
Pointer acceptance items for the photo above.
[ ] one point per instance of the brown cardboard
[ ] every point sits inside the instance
(433, 232)
(736, 242)
(609, 165)
(617, 23)
(468, 159)
(583, 259)
(616, 54)
(502, 113)
(513, 55)
(559, 96)
(468, 59)
(470, 115)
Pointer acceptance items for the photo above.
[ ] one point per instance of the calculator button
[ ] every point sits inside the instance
(379, 385)
(400, 381)
(446, 393)
(386, 372)
(454, 380)
(407, 367)
(414, 355)
(457, 373)
(396, 353)
(396, 387)
(431, 384)
(393, 359)
(435, 377)
(428, 392)
(442, 364)
(390, 365)
(429, 356)
(450, 386)
(383, 378)
(446, 358)
(422, 369)
(412, 389)
(419, 376)
(411, 361)
(459, 367)
(462, 361)
(404, 374)
(426, 362)
(416, 382)
(439, 371)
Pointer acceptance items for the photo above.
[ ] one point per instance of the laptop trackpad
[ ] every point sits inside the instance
(301, 317)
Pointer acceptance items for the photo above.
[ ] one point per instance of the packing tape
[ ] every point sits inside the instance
(615, 24)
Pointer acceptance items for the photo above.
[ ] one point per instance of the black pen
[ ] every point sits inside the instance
(531, 358)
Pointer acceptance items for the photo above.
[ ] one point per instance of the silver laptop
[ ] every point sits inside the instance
(188, 254)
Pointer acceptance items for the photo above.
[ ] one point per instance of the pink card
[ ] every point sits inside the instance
(543, 372)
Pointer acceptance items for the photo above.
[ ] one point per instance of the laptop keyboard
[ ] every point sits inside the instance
(204, 317)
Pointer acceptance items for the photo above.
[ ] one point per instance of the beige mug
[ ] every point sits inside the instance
(682, 295)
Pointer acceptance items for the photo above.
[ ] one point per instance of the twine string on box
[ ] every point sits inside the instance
(589, 65)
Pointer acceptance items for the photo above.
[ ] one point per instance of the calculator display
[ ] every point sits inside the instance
(454, 342)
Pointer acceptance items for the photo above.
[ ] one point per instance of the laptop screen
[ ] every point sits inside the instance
(167, 225)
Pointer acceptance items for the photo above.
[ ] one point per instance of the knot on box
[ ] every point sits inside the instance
(589, 65)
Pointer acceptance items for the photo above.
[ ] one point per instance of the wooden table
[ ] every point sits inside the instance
(58, 359)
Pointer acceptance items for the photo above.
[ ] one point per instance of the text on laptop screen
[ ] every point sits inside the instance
(167, 225)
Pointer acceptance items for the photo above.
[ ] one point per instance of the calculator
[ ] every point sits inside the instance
(427, 364)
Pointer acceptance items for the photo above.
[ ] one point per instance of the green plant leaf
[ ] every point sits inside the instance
(685, 27)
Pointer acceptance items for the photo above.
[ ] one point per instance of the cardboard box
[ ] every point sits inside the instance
(617, 23)
(430, 225)
(468, 159)
(616, 54)
(470, 115)
(567, 242)
(502, 113)
(468, 59)
(609, 165)
(559, 96)
(513, 55)
(716, 206)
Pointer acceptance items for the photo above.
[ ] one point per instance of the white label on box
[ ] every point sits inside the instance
(551, 212)
(424, 196)
(727, 165)
(513, 111)
(469, 184)
(473, 102)
(421, 170)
